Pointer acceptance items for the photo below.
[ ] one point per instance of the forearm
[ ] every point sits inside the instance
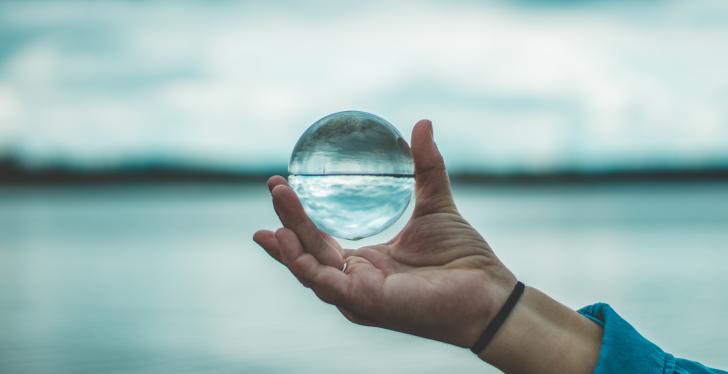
(542, 335)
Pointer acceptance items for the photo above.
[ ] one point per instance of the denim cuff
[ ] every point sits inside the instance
(623, 349)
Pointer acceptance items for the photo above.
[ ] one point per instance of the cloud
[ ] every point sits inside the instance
(235, 84)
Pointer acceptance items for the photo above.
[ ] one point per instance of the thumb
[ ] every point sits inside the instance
(432, 183)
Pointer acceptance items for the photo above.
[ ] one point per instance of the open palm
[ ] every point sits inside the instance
(437, 278)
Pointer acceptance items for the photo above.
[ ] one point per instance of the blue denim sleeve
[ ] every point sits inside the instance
(624, 350)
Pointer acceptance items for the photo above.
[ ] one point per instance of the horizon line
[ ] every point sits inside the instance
(14, 174)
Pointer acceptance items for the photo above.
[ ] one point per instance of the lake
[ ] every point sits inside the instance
(161, 279)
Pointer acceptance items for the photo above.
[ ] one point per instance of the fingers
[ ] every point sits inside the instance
(330, 284)
(432, 183)
(291, 213)
(275, 181)
(267, 240)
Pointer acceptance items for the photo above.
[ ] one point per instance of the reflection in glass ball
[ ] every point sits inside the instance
(354, 174)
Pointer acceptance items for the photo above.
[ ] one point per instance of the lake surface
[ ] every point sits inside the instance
(161, 279)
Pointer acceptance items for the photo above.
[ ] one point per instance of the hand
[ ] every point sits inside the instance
(438, 278)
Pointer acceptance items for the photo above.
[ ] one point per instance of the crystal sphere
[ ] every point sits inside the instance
(354, 174)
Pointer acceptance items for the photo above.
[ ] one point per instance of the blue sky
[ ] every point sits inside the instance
(525, 85)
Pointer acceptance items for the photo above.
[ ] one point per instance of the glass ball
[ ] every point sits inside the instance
(354, 174)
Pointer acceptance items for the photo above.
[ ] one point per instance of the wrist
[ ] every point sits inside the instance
(486, 304)
(544, 335)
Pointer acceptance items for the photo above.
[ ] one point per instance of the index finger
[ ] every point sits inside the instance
(291, 213)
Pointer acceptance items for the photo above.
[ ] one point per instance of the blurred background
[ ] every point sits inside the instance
(587, 141)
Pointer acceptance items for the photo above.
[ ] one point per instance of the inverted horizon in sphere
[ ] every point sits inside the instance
(353, 206)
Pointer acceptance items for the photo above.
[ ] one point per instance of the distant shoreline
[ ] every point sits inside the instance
(13, 175)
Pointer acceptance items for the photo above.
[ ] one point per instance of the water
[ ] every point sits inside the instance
(353, 206)
(166, 279)
(353, 172)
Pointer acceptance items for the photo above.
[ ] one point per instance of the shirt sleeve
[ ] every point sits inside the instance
(624, 350)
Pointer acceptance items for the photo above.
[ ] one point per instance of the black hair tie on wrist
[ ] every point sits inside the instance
(499, 318)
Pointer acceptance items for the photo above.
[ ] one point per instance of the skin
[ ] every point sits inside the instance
(438, 278)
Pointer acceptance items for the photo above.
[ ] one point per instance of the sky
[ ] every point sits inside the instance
(510, 85)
